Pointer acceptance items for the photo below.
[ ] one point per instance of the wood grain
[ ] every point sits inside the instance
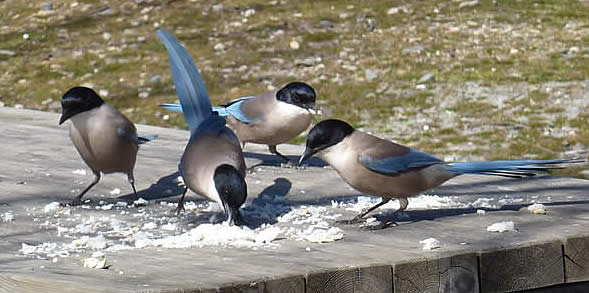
(370, 279)
(253, 287)
(11, 284)
(522, 268)
(293, 284)
(450, 274)
(576, 252)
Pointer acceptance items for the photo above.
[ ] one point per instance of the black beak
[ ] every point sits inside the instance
(68, 113)
(306, 155)
(65, 116)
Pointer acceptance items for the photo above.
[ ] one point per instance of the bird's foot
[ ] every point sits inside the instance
(75, 202)
(352, 221)
(253, 169)
(288, 164)
(179, 209)
(378, 226)
(292, 165)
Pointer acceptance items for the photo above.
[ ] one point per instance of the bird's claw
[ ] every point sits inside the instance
(288, 164)
(73, 203)
(179, 209)
(379, 226)
(350, 221)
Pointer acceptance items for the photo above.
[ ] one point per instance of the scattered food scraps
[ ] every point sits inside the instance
(537, 209)
(140, 202)
(319, 235)
(97, 261)
(51, 207)
(79, 172)
(430, 243)
(7, 217)
(500, 227)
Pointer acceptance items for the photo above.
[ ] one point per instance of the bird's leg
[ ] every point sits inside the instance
(78, 199)
(131, 179)
(403, 202)
(272, 149)
(180, 207)
(359, 217)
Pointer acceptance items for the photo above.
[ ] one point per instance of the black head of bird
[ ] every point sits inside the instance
(77, 100)
(233, 191)
(325, 134)
(299, 94)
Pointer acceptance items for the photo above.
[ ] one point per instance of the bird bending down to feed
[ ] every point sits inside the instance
(212, 164)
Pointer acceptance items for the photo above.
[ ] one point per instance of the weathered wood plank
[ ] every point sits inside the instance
(21, 285)
(576, 252)
(449, 274)
(292, 284)
(332, 281)
(378, 278)
(373, 279)
(253, 287)
(522, 268)
(581, 287)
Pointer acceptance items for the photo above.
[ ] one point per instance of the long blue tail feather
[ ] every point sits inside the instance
(517, 168)
(191, 90)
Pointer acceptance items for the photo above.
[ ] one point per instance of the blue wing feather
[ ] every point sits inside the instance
(233, 108)
(394, 165)
(172, 107)
(191, 90)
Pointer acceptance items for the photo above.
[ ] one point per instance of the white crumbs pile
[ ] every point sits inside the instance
(505, 226)
(105, 227)
(537, 209)
(430, 243)
(7, 217)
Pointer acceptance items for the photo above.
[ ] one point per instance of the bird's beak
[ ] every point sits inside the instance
(306, 155)
(65, 116)
(315, 112)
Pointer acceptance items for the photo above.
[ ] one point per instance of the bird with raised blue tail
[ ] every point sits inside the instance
(379, 167)
(212, 164)
(271, 118)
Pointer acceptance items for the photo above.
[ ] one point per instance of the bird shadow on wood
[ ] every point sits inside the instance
(434, 214)
(489, 187)
(270, 204)
(276, 161)
(474, 190)
(166, 186)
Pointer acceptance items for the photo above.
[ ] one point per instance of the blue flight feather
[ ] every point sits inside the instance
(222, 111)
(191, 90)
(172, 107)
(507, 167)
(394, 165)
(233, 108)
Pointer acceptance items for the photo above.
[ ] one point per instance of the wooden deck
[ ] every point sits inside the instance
(37, 160)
